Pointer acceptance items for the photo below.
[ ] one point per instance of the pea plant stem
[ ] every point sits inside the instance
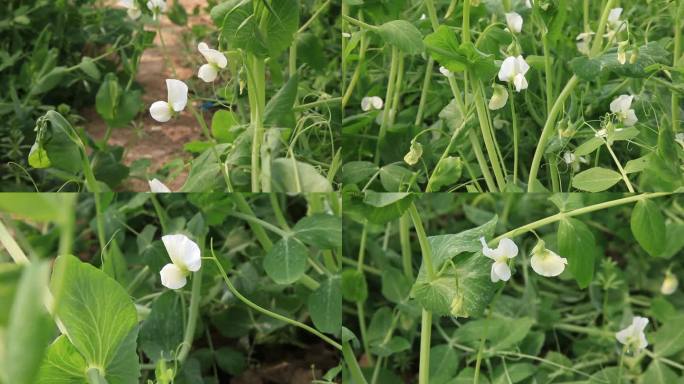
(266, 312)
(619, 166)
(516, 134)
(14, 250)
(352, 364)
(256, 227)
(256, 73)
(576, 212)
(391, 82)
(426, 317)
(558, 105)
(677, 53)
(405, 240)
(359, 304)
(193, 314)
(487, 135)
(94, 376)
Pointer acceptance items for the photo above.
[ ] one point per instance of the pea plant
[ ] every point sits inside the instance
(58, 56)
(512, 95)
(513, 288)
(170, 288)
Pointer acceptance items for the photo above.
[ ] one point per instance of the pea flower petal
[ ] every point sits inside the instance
(371, 102)
(444, 71)
(184, 253)
(622, 108)
(513, 69)
(157, 186)
(131, 8)
(514, 22)
(499, 97)
(161, 111)
(633, 336)
(177, 94)
(547, 263)
(207, 73)
(172, 277)
(504, 251)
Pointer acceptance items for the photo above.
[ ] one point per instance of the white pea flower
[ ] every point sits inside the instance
(445, 71)
(504, 251)
(514, 22)
(583, 42)
(215, 61)
(546, 262)
(670, 284)
(162, 111)
(633, 336)
(157, 7)
(422, 16)
(573, 161)
(614, 19)
(415, 152)
(185, 258)
(157, 186)
(131, 8)
(528, 3)
(371, 102)
(499, 97)
(513, 69)
(346, 34)
(622, 108)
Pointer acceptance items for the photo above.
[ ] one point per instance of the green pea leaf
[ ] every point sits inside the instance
(223, 125)
(278, 111)
(669, 339)
(162, 331)
(596, 179)
(291, 175)
(325, 306)
(282, 23)
(402, 35)
(63, 363)
(648, 227)
(443, 47)
(357, 171)
(465, 288)
(447, 172)
(285, 263)
(354, 286)
(321, 230)
(395, 285)
(577, 244)
(659, 373)
(99, 317)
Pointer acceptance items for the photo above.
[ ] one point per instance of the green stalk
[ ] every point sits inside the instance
(558, 105)
(487, 136)
(66, 223)
(516, 134)
(359, 304)
(11, 246)
(352, 364)
(424, 91)
(548, 73)
(466, 22)
(622, 170)
(405, 240)
(677, 53)
(576, 212)
(256, 73)
(394, 66)
(256, 227)
(363, 45)
(426, 317)
(266, 312)
(481, 161)
(193, 315)
(94, 376)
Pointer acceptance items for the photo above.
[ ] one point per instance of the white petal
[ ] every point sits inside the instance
(366, 104)
(521, 65)
(184, 252)
(614, 15)
(213, 56)
(486, 250)
(507, 70)
(207, 73)
(499, 98)
(159, 5)
(507, 248)
(621, 104)
(528, 4)
(630, 118)
(157, 186)
(639, 323)
(583, 47)
(172, 277)
(520, 82)
(502, 270)
(548, 263)
(376, 102)
(161, 111)
(514, 21)
(177, 94)
(643, 343)
(495, 278)
(444, 71)
(624, 334)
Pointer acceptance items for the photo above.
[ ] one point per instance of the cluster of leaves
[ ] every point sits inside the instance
(55, 56)
(423, 110)
(104, 309)
(531, 328)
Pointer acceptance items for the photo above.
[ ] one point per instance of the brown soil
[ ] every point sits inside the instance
(158, 142)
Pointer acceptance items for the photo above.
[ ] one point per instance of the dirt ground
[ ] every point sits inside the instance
(158, 142)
